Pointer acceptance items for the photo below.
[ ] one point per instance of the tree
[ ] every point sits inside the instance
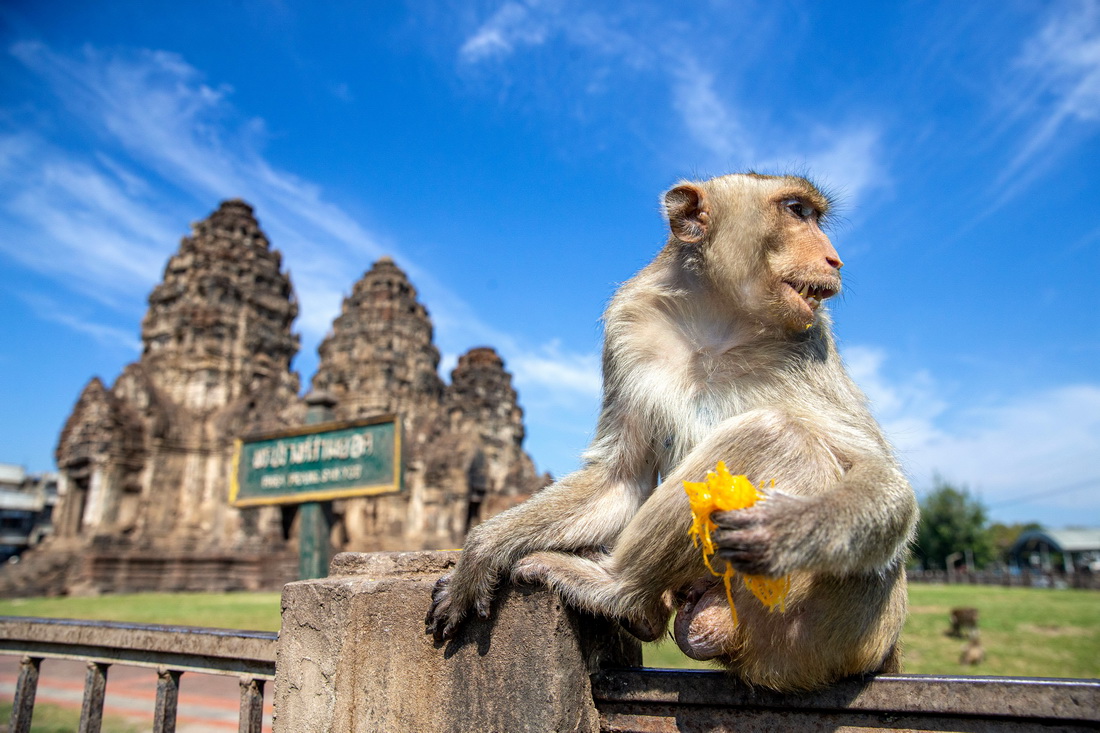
(1004, 536)
(952, 521)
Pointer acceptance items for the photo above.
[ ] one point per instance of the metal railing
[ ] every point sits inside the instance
(660, 701)
(171, 650)
(635, 700)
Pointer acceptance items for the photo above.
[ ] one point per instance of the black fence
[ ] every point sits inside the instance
(1019, 579)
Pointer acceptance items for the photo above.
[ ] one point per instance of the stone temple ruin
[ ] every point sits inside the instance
(144, 465)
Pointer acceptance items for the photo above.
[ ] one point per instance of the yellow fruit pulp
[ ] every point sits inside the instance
(723, 492)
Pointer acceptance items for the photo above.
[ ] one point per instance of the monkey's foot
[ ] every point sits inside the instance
(439, 622)
(447, 613)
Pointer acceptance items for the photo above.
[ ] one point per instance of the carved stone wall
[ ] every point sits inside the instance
(481, 407)
(144, 466)
(463, 443)
(147, 462)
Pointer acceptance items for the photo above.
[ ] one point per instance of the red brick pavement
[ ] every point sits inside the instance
(206, 702)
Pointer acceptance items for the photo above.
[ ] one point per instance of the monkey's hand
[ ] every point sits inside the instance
(769, 538)
(452, 600)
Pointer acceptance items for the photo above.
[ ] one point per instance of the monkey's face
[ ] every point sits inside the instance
(802, 267)
(762, 244)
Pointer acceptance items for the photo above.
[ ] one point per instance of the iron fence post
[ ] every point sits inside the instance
(168, 690)
(95, 689)
(25, 689)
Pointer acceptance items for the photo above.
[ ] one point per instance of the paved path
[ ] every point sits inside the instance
(206, 702)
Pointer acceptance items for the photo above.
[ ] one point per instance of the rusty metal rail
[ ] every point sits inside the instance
(664, 701)
(171, 650)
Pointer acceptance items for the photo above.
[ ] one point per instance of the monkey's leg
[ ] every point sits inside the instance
(585, 509)
(621, 586)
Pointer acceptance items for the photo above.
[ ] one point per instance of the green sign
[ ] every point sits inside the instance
(318, 463)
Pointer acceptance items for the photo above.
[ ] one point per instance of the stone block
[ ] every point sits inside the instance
(354, 656)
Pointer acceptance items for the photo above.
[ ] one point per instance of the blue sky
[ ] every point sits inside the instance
(510, 157)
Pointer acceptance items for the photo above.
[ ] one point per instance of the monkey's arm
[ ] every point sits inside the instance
(862, 523)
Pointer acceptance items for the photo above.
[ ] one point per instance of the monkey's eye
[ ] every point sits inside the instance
(799, 208)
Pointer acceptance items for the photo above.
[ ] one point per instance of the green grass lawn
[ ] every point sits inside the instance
(1025, 631)
(254, 611)
(1030, 632)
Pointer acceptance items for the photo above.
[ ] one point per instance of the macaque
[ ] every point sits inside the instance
(721, 349)
(973, 653)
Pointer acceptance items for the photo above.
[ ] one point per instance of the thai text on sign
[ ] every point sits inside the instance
(318, 463)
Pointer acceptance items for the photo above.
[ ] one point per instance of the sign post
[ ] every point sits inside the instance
(314, 517)
(312, 466)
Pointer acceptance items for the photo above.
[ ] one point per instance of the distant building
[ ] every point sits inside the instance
(26, 509)
(1078, 549)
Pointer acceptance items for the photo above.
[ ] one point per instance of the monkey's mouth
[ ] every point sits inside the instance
(811, 294)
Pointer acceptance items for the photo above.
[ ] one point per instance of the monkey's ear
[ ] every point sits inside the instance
(688, 213)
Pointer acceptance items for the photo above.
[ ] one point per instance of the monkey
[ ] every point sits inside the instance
(973, 653)
(721, 349)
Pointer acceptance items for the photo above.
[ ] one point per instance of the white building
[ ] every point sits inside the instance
(26, 509)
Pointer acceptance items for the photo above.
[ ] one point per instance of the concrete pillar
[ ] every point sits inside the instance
(353, 655)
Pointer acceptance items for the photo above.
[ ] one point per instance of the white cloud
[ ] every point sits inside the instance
(724, 131)
(709, 120)
(151, 101)
(156, 108)
(908, 409)
(513, 24)
(1006, 450)
(94, 225)
(1059, 79)
(80, 221)
(560, 391)
(1033, 441)
(559, 373)
(109, 336)
(98, 230)
(850, 161)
